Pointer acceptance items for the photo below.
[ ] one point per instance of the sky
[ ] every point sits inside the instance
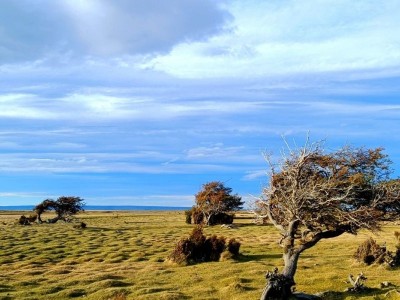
(140, 102)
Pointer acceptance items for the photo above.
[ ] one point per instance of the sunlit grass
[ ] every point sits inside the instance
(122, 255)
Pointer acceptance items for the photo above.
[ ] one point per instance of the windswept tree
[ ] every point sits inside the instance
(214, 201)
(314, 195)
(45, 205)
(64, 207)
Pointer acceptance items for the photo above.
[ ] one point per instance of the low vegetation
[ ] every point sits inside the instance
(123, 255)
(369, 252)
(198, 248)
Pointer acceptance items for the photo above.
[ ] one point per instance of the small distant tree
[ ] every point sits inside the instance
(313, 196)
(45, 205)
(67, 206)
(64, 207)
(214, 201)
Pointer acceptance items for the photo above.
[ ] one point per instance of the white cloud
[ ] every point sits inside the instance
(222, 154)
(140, 162)
(23, 106)
(156, 200)
(14, 198)
(251, 175)
(216, 151)
(95, 108)
(275, 38)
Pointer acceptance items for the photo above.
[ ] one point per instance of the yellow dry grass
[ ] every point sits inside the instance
(121, 255)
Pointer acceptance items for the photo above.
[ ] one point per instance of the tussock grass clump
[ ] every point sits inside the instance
(199, 248)
(119, 296)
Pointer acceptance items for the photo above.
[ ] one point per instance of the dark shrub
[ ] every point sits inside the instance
(182, 251)
(196, 245)
(188, 216)
(32, 218)
(80, 225)
(213, 248)
(198, 248)
(196, 236)
(23, 220)
(369, 252)
(233, 247)
(221, 218)
(197, 216)
(395, 258)
(27, 220)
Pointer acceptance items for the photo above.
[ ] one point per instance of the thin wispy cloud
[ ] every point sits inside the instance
(145, 163)
(94, 107)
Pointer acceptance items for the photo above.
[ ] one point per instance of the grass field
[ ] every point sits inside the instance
(122, 255)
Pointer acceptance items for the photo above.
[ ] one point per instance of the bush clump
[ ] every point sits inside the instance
(196, 216)
(233, 247)
(23, 220)
(80, 225)
(188, 216)
(198, 248)
(27, 220)
(370, 252)
(221, 218)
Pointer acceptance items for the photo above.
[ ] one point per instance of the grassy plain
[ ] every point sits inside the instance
(122, 255)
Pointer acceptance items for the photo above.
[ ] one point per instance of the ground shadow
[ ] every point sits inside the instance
(333, 295)
(95, 229)
(256, 257)
(251, 224)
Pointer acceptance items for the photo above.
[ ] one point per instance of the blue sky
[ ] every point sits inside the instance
(140, 102)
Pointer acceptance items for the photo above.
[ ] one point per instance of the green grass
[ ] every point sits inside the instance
(122, 255)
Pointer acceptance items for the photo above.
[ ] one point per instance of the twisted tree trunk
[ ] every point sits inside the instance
(279, 285)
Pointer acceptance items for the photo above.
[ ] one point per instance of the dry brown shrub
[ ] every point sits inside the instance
(198, 248)
(370, 252)
(233, 247)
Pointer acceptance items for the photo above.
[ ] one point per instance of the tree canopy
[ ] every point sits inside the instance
(313, 195)
(215, 198)
(64, 206)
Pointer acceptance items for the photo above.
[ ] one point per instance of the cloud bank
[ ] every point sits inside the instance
(103, 28)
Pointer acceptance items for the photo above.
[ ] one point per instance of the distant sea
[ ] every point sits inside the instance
(104, 207)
